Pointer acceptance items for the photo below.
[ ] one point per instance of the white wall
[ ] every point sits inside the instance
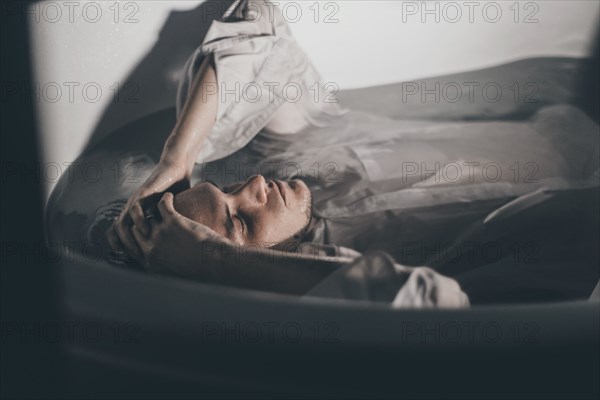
(363, 43)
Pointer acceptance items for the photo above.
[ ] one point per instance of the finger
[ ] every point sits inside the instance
(204, 233)
(127, 240)
(116, 251)
(143, 245)
(138, 218)
(122, 224)
(158, 232)
(153, 229)
(165, 205)
(167, 211)
(113, 240)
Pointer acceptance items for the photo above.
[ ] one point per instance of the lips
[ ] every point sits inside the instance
(282, 191)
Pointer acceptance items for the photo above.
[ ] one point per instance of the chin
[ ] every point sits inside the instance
(300, 183)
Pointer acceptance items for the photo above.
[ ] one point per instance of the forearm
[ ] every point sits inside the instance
(197, 117)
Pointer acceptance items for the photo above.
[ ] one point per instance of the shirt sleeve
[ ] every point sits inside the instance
(259, 66)
(375, 276)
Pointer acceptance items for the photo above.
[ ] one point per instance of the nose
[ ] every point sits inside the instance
(255, 189)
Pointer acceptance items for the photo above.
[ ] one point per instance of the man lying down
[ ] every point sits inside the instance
(244, 235)
(364, 232)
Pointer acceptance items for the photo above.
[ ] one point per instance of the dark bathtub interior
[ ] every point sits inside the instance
(174, 337)
(188, 333)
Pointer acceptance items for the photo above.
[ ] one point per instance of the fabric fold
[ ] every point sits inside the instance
(375, 276)
(261, 70)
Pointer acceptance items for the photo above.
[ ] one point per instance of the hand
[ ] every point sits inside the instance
(177, 245)
(164, 176)
(427, 288)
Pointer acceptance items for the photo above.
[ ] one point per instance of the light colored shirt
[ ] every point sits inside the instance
(265, 80)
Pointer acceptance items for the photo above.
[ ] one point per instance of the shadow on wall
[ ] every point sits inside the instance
(152, 85)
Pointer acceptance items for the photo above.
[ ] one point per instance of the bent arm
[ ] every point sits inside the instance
(197, 117)
(177, 159)
(182, 247)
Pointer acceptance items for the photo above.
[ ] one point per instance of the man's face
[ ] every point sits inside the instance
(256, 212)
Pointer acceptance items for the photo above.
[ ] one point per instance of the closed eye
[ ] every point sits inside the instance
(230, 225)
(243, 225)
